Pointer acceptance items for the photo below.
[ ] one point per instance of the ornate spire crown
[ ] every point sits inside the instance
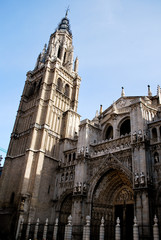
(64, 25)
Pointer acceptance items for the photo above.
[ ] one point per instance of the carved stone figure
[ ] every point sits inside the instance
(142, 179)
(140, 135)
(136, 179)
(86, 152)
(82, 149)
(79, 186)
(22, 205)
(84, 187)
(156, 158)
(76, 188)
(134, 136)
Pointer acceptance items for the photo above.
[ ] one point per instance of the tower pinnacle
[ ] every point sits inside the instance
(122, 92)
(64, 25)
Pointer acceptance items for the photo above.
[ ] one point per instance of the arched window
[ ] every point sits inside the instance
(74, 156)
(12, 198)
(67, 90)
(109, 133)
(71, 176)
(154, 134)
(59, 53)
(125, 127)
(62, 177)
(64, 60)
(66, 177)
(70, 157)
(156, 157)
(59, 84)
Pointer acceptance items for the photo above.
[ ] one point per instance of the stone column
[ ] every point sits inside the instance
(45, 230)
(55, 230)
(86, 229)
(155, 229)
(117, 230)
(36, 229)
(20, 229)
(28, 229)
(68, 229)
(78, 212)
(102, 229)
(135, 230)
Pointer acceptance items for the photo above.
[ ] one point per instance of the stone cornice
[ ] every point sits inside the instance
(52, 158)
(35, 150)
(16, 156)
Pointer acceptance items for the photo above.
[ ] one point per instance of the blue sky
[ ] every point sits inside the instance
(118, 43)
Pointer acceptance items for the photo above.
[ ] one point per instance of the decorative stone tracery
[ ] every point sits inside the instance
(125, 195)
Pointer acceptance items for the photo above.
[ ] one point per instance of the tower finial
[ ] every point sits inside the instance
(66, 14)
(122, 92)
(149, 91)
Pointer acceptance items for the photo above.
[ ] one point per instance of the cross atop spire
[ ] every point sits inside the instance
(66, 14)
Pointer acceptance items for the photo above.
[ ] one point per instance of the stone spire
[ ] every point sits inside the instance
(41, 58)
(159, 94)
(95, 119)
(43, 54)
(76, 64)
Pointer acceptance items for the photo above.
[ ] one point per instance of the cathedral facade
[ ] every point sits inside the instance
(57, 165)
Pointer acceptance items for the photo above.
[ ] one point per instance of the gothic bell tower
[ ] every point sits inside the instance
(47, 114)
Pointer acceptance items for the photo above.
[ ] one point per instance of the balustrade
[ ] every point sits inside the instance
(86, 230)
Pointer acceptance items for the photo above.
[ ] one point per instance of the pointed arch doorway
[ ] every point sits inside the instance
(112, 198)
(65, 211)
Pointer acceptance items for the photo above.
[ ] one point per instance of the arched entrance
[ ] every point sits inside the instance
(158, 204)
(112, 198)
(65, 211)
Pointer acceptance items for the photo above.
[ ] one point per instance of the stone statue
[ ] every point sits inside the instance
(86, 152)
(156, 158)
(142, 179)
(140, 135)
(134, 136)
(79, 186)
(84, 187)
(82, 149)
(76, 188)
(136, 179)
(22, 205)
